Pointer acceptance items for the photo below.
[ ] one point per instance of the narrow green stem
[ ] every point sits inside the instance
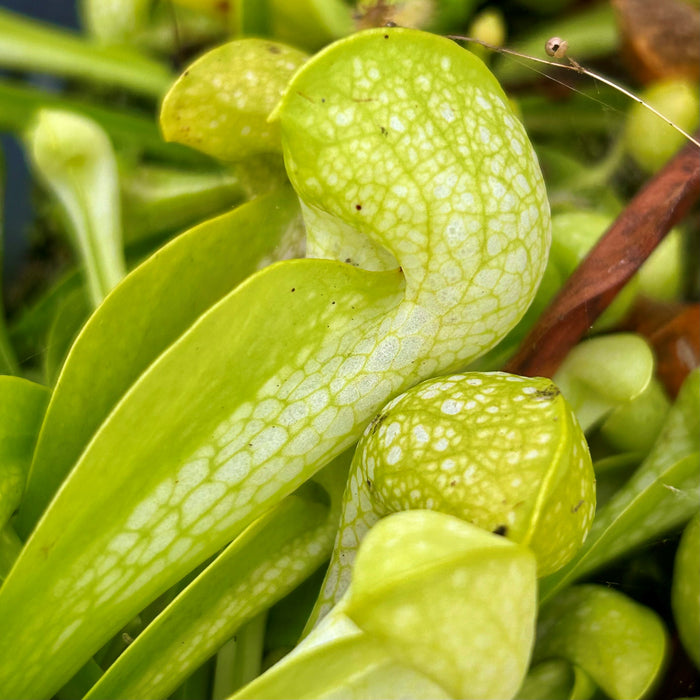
(32, 46)
(239, 661)
(248, 659)
(223, 674)
(197, 685)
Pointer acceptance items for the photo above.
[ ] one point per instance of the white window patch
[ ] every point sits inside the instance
(394, 455)
(447, 113)
(396, 124)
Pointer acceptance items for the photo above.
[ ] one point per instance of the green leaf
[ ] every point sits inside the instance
(282, 373)
(29, 330)
(22, 406)
(685, 592)
(220, 104)
(270, 558)
(157, 200)
(171, 477)
(400, 630)
(620, 644)
(661, 495)
(500, 451)
(602, 373)
(66, 324)
(29, 45)
(144, 315)
(74, 157)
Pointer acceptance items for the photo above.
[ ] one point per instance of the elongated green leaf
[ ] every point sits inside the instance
(263, 564)
(196, 476)
(32, 46)
(22, 406)
(283, 373)
(153, 306)
(619, 643)
(66, 324)
(661, 495)
(685, 593)
(400, 631)
(500, 451)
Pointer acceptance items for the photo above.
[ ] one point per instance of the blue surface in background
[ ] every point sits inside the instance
(17, 205)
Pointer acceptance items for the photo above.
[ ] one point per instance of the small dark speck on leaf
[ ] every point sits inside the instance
(453, 482)
(274, 49)
(386, 36)
(501, 530)
(383, 130)
(369, 483)
(577, 506)
(294, 289)
(548, 393)
(358, 207)
(332, 302)
(186, 73)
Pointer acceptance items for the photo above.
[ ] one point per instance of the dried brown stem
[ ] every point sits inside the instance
(634, 235)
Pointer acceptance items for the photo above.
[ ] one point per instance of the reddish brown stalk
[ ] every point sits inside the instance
(634, 235)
